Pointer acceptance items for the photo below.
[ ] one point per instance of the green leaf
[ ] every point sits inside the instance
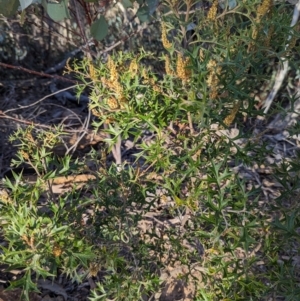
(143, 14)
(26, 283)
(9, 7)
(25, 3)
(230, 3)
(57, 11)
(99, 29)
(85, 257)
(152, 5)
(66, 165)
(59, 229)
(50, 175)
(127, 3)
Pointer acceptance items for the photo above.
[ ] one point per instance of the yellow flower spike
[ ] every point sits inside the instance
(114, 86)
(210, 80)
(157, 89)
(165, 41)
(5, 198)
(28, 240)
(212, 13)
(123, 101)
(168, 69)
(92, 71)
(95, 113)
(113, 83)
(107, 83)
(112, 69)
(94, 268)
(182, 71)
(229, 119)
(263, 9)
(29, 137)
(146, 77)
(133, 68)
(56, 251)
(25, 239)
(211, 65)
(188, 71)
(112, 103)
(151, 81)
(68, 68)
(201, 55)
(32, 242)
(213, 79)
(214, 71)
(24, 155)
(109, 120)
(118, 89)
(180, 66)
(213, 94)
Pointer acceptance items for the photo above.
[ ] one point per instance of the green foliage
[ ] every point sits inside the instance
(99, 29)
(58, 10)
(9, 7)
(185, 169)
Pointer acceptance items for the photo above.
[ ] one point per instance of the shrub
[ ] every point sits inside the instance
(200, 111)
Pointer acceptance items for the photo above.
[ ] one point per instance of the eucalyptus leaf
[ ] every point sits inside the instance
(99, 29)
(127, 3)
(152, 5)
(25, 3)
(57, 11)
(230, 3)
(143, 14)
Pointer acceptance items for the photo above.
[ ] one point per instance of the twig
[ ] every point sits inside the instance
(116, 151)
(84, 128)
(37, 73)
(63, 95)
(62, 64)
(81, 28)
(40, 100)
(190, 123)
(70, 111)
(38, 125)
